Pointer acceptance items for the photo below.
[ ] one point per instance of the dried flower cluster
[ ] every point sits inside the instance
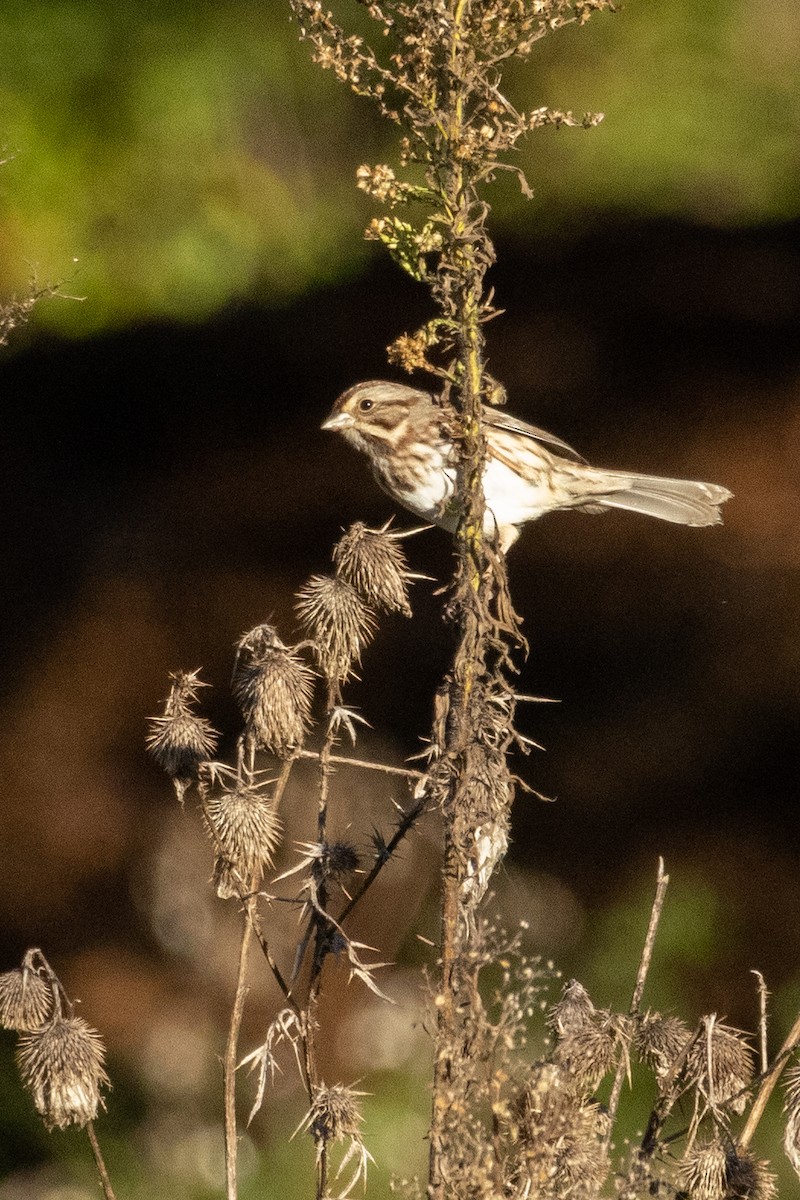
(59, 1057)
(445, 57)
(240, 805)
(180, 740)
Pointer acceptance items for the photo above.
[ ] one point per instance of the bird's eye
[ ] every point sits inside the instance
(366, 404)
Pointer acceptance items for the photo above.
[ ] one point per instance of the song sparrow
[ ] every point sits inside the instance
(407, 435)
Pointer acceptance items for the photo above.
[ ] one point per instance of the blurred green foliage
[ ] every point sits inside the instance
(186, 154)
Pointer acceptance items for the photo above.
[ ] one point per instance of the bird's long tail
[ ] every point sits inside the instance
(680, 500)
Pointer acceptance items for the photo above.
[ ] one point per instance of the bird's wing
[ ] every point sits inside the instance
(503, 420)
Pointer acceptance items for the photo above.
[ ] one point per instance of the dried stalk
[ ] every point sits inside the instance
(231, 1059)
(105, 1180)
(662, 882)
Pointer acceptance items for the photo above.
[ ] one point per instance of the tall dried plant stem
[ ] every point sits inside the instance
(322, 933)
(105, 1181)
(457, 199)
(232, 1057)
(250, 926)
(662, 881)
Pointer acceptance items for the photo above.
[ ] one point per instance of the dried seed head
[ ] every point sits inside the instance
(748, 1178)
(591, 1052)
(339, 860)
(702, 1173)
(588, 1038)
(26, 1000)
(338, 621)
(791, 1138)
(372, 560)
(560, 1138)
(245, 829)
(274, 689)
(573, 1012)
(658, 1041)
(61, 1065)
(179, 740)
(335, 1114)
(731, 1066)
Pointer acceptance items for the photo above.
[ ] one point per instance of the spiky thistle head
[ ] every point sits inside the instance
(244, 825)
(274, 689)
(731, 1061)
(61, 1065)
(179, 740)
(372, 560)
(26, 999)
(589, 1039)
(339, 623)
(658, 1040)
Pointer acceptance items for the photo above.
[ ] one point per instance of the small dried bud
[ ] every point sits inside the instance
(339, 859)
(409, 351)
(748, 1178)
(246, 831)
(574, 1011)
(338, 621)
(180, 740)
(335, 1114)
(61, 1065)
(703, 1171)
(658, 1040)
(589, 1038)
(25, 999)
(380, 182)
(274, 689)
(373, 561)
(731, 1066)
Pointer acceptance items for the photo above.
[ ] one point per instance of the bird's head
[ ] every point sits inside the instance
(377, 414)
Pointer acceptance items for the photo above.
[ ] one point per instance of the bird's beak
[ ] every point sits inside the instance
(340, 420)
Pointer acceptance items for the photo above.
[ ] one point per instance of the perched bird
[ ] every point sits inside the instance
(407, 434)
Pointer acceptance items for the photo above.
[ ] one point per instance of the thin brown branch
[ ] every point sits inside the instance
(662, 881)
(670, 1091)
(409, 820)
(343, 760)
(232, 1057)
(105, 1180)
(763, 996)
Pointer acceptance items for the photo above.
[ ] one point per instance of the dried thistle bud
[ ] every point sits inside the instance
(26, 1000)
(335, 1113)
(702, 1174)
(61, 1065)
(372, 560)
(659, 1039)
(791, 1137)
(573, 1012)
(748, 1178)
(245, 829)
(335, 1116)
(588, 1038)
(180, 740)
(731, 1065)
(338, 621)
(274, 688)
(339, 860)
